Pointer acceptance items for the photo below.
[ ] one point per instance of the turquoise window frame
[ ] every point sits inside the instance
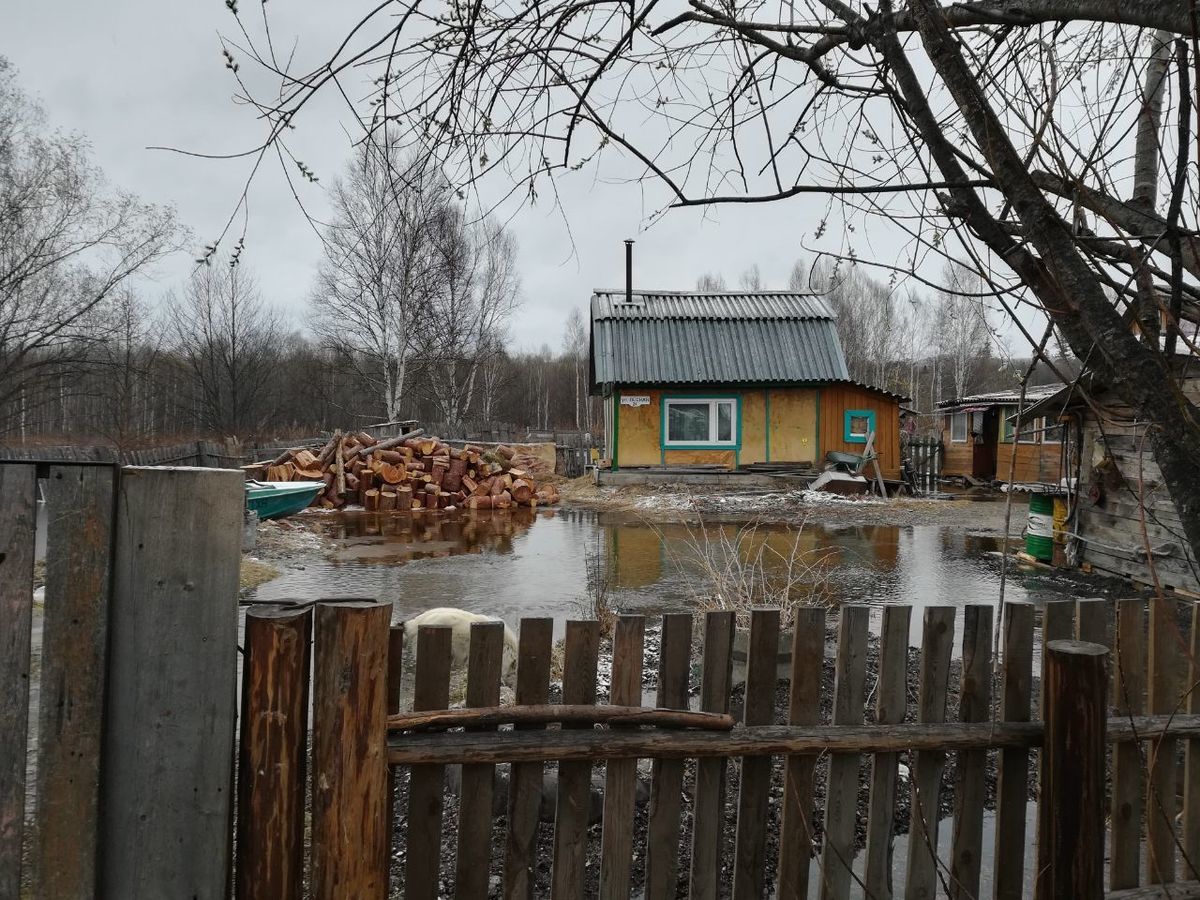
(868, 414)
(736, 445)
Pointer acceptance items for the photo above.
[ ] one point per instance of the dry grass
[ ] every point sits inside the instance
(255, 572)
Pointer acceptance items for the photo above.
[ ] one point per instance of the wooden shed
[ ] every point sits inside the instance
(978, 432)
(731, 380)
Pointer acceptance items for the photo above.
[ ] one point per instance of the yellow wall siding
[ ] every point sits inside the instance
(754, 427)
(794, 425)
(637, 430)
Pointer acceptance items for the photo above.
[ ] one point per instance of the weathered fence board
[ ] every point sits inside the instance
(168, 743)
(709, 806)
(431, 690)
(1163, 693)
(272, 760)
(1129, 680)
(1191, 777)
(1012, 788)
(970, 788)
(1058, 624)
(349, 771)
(18, 485)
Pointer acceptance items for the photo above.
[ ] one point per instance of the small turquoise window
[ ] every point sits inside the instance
(858, 423)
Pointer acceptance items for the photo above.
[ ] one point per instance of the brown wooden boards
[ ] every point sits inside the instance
(620, 780)
(431, 690)
(1012, 786)
(17, 527)
(970, 787)
(1128, 791)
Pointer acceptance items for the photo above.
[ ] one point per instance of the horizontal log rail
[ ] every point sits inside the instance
(767, 740)
(567, 714)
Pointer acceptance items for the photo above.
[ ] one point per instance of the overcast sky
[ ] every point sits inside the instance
(135, 73)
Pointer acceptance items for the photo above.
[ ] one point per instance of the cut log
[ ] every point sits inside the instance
(325, 454)
(390, 456)
(522, 491)
(391, 474)
(366, 479)
(404, 497)
(352, 483)
(479, 502)
(454, 474)
(371, 500)
(505, 451)
(380, 445)
(365, 439)
(387, 501)
(339, 467)
(468, 484)
(305, 459)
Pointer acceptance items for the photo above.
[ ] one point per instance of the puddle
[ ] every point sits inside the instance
(549, 562)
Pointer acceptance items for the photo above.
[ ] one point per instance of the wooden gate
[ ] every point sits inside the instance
(814, 769)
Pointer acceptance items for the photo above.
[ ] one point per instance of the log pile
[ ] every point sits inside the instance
(410, 472)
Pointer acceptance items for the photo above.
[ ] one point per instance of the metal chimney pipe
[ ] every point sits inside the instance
(628, 271)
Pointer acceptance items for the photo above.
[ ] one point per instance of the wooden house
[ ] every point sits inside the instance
(1120, 515)
(730, 379)
(978, 433)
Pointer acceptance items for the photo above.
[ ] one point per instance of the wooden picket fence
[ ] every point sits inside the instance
(362, 746)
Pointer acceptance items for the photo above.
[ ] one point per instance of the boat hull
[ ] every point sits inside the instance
(270, 502)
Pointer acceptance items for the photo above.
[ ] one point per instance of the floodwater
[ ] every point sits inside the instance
(554, 562)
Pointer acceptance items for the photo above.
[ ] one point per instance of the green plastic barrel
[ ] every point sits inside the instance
(1039, 535)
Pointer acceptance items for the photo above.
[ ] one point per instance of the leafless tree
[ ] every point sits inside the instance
(751, 279)
(68, 243)
(996, 132)
(710, 284)
(575, 349)
(227, 340)
(126, 360)
(961, 334)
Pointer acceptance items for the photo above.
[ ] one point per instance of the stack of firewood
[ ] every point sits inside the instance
(410, 472)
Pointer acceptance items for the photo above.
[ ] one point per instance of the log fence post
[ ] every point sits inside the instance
(271, 761)
(1073, 796)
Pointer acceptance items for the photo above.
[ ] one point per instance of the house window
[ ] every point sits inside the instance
(1006, 414)
(1052, 432)
(857, 424)
(958, 428)
(700, 423)
(1030, 432)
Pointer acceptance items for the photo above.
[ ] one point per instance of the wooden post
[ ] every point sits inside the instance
(17, 524)
(79, 501)
(1076, 708)
(172, 692)
(349, 777)
(271, 763)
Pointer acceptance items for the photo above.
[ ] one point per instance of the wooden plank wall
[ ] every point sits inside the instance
(837, 398)
(1035, 464)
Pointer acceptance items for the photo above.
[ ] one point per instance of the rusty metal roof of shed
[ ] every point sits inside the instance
(671, 337)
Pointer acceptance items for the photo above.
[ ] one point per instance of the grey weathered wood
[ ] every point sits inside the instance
(484, 667)
(620, 779)
(1058, 624)
(1128, 791)
(1163, 695)
(891, 706)
(79, 507)
(1191, 766)
(581, 654)
(168, 743)
(970, 787)
(936, 639)
(349, 768)
(1076, 708)
(750, 848)
(1091, 621)
(1182, 890)
(395, 678)
(766, 740)
(666, 785)
(804, 708)
(431, 690)
(841, 798)
(1012, 786)
(18, 485)
(708, 808)
(525, 783)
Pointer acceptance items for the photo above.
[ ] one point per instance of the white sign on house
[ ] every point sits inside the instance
(636, 400)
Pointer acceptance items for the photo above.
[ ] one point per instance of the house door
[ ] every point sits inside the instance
(985, 429)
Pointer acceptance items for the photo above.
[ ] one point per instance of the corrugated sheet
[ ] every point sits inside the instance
(994, 398)
(681, 305)
(714, 339)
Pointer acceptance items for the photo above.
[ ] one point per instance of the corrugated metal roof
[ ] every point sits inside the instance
(997, 397)
(728, 338)
(610, 304)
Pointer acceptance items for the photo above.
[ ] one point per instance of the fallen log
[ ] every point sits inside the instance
(389, 443)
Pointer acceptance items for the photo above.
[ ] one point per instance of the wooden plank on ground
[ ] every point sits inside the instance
(804, 708)
(666, 785)
(1128, 791)
(18, 523)
(970, 788)
(573, 807)
(1163, 695)
(926, 766)
(171, 701)
(1058, 624)
(620, 777)
(426, 783)
(1191, 765)
(750, 849)
(841, 797)
(525, 780)
(477, 785)
(891, 706)
(709, 805)
(1012, 786)
(349, 774)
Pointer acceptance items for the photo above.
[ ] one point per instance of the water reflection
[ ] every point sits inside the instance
(548, 562)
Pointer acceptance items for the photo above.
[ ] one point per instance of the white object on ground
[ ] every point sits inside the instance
(459, 621)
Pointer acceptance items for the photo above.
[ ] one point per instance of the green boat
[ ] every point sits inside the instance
(276, 499)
